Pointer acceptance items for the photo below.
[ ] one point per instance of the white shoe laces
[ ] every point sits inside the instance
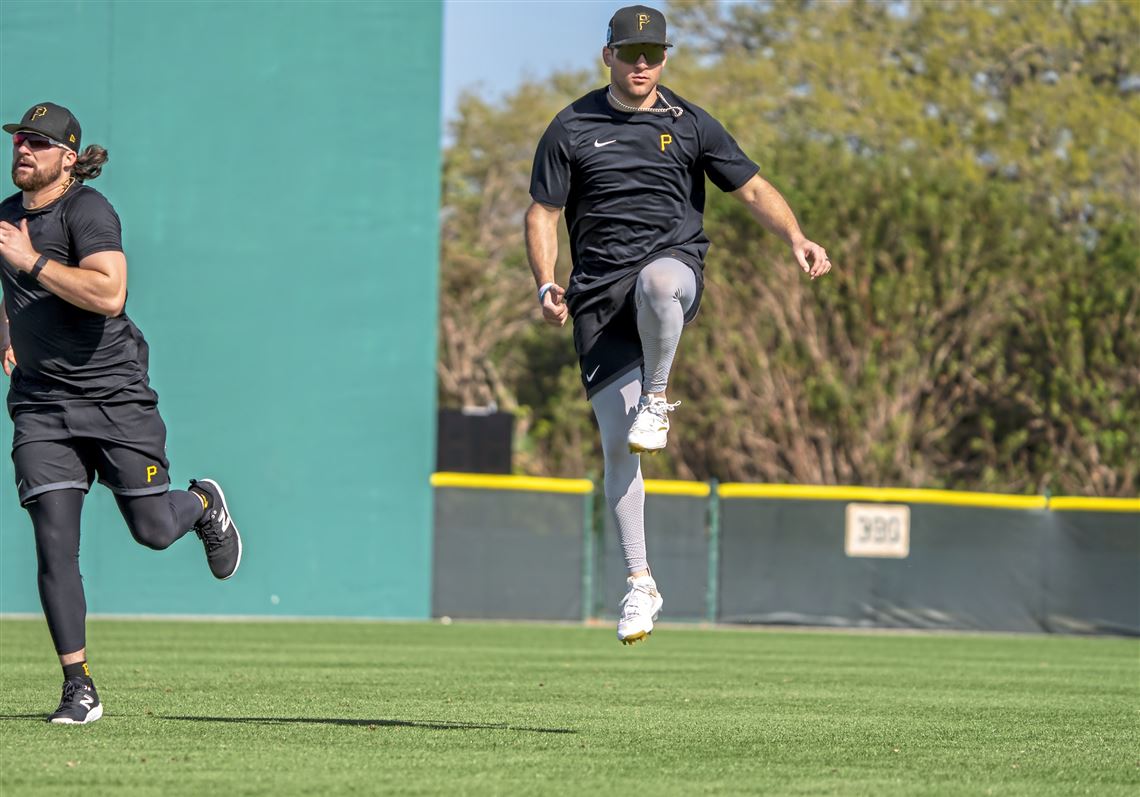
(638, 601)
(656, 407)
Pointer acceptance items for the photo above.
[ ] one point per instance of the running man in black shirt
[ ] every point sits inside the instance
(628, 165)
(80, 399)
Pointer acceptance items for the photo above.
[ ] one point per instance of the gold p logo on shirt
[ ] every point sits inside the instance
(666, 139)
(151, 472)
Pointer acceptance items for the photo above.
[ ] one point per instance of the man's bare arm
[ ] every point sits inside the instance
(542, 254)
(98, 285)
(7, 356)
(772, 211)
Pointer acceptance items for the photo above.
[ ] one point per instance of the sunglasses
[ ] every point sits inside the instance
(34, 141)
(629, 53)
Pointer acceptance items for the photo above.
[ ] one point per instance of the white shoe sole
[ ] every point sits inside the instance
(638, 447)
(92, 715)
(635, 637)
(642, 633)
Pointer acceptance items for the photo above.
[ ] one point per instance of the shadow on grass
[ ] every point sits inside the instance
(429, 724)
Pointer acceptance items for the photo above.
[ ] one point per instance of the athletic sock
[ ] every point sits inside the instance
(77, 670)
(201, 496)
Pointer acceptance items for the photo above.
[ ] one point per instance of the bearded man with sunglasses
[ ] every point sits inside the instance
(80, 399)
(628, 164)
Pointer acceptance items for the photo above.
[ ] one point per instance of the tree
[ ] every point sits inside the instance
(972, 169)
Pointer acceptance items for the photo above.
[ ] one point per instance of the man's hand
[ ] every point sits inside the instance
(554, 309)
(806, 251)
(9, 361)
(16, 246)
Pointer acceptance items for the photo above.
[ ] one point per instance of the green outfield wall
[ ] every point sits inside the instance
(276, 169)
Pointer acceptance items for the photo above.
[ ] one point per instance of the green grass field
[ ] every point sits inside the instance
(229, 708)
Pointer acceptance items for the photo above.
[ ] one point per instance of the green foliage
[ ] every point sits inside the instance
(972, 169)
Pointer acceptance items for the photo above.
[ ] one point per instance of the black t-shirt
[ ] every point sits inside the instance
(633, 184)
(63, 351)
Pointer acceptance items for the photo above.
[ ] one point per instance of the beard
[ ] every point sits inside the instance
(40, 177)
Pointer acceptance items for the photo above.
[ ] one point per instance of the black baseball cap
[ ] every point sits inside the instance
(637, 25)
(53, 121)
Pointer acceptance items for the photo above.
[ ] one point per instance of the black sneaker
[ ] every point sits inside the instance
(79, 704)
(217, 531)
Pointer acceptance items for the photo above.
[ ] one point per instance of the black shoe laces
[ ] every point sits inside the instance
(211, 531)
(70, 693)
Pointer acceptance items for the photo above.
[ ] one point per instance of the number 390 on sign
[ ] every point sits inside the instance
(878, 530)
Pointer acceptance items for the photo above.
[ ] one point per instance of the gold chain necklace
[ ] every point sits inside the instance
(63, 190)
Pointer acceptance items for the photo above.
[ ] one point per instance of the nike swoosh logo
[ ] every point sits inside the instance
(590, 376)
(604, 143)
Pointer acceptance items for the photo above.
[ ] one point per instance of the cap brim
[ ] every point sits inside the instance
(638, 40)
(15, 128)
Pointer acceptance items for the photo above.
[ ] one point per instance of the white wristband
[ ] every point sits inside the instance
(542, 291)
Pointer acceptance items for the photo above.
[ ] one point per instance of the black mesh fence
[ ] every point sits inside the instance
(1092, 573)
(508, 554)
(967, 567)
(968, 563)
(677, 541)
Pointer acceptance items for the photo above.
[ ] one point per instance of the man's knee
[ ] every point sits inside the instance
(620, 465)
(151, 539)
(150, 521)
(151, 532)
(55, 522)
(56, 553)
(656, 287)
(615, 446)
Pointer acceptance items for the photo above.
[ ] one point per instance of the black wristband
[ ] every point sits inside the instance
(41, 261)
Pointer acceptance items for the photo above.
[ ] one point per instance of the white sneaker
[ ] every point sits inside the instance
(639, 608)
(650, 430)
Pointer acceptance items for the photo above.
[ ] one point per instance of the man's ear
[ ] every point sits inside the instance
(607, 56)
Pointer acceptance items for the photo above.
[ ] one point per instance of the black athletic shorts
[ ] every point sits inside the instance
(605, 325)
(61, 444)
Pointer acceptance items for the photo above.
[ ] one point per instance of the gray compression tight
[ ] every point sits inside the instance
(615, 407)
(666, 289)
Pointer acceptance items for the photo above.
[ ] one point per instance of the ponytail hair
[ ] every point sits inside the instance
(89, 164)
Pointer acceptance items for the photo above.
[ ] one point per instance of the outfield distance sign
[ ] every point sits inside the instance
(878, 530)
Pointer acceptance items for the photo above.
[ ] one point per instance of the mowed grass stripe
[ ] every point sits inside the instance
(421, 708)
